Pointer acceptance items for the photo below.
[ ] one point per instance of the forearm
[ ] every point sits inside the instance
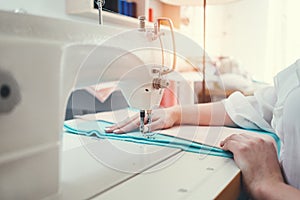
(213, 114)
(276, 191)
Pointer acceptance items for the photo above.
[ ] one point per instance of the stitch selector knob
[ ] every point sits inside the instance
(9, 92)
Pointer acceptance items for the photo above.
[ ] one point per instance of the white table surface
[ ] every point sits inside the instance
(94, 168)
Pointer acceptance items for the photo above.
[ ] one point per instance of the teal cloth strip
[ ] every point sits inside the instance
(96, 129)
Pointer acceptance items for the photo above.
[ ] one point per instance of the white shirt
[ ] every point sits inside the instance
(274, 109)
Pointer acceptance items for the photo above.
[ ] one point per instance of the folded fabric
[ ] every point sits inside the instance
(96, 129)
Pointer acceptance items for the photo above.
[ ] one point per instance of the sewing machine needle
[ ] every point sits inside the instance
(142, 123)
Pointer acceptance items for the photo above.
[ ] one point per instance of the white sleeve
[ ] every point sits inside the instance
(252, 112)
(290, 156)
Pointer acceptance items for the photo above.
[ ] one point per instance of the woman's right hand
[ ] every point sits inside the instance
(256, 156)
(161, 119)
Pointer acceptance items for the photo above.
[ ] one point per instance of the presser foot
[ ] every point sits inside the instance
(147, 133)
(145, 130)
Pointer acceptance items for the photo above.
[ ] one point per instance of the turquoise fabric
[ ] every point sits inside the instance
(96, 129)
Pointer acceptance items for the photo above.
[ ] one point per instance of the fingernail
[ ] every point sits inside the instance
(107, 129)
(222, 143)
(117, 131)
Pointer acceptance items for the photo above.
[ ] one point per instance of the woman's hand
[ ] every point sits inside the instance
(161, 119)
(257, 159)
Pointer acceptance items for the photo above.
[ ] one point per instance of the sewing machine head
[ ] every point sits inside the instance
(41, 61)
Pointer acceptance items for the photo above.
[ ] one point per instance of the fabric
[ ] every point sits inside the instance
(102, 91)
(274, 109)
(96, 128)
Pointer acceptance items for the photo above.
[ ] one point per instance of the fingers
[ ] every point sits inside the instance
(155, 125)
(237, 143)
(127, 127)
(239, 137)
(133, 123)
(229, 138)
(231, 145)
(160, 120)
(124, 126)
(232, 142)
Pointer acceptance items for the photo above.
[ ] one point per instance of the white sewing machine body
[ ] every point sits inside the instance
(45, 59)
(34, 52)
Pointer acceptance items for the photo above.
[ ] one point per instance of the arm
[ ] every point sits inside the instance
(207, 114)
(278, 191)
(198, 114)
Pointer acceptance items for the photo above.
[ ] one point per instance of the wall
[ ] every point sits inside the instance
(50, 8)
(292, 17)
(265, 34)
(262, 34)
(237, 29)
(245, 28)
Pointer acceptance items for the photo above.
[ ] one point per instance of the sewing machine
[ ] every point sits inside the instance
(41, 61)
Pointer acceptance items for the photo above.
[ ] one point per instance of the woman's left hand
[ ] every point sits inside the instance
(161, 119)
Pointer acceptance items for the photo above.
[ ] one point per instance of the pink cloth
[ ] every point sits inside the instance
(102, 91)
